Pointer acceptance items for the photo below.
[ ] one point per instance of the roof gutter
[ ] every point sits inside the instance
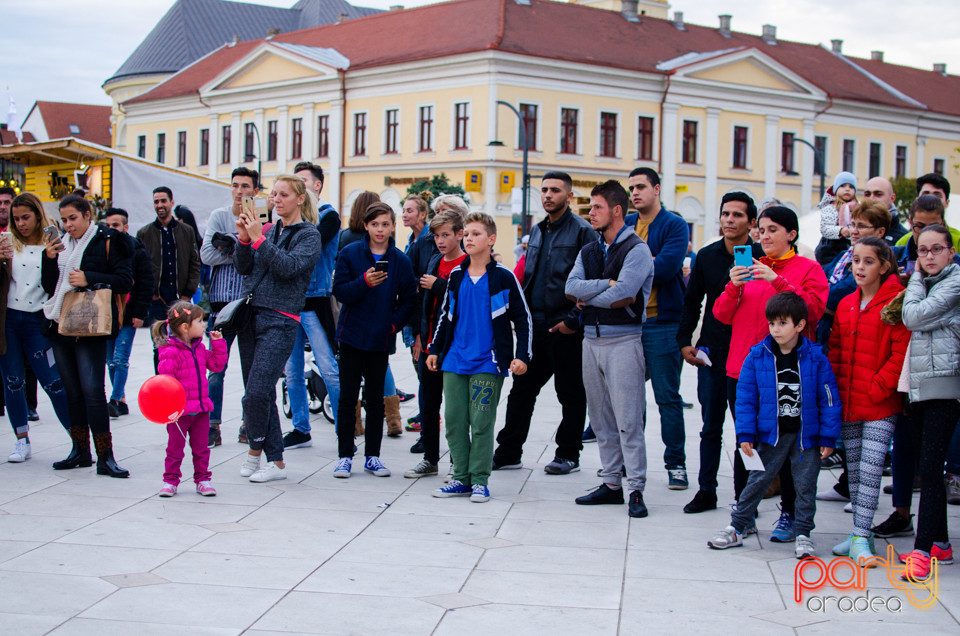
(343, 127)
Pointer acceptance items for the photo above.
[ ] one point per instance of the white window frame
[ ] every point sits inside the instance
(749, 158)
(579, 140)
(453, 125)
(636, 136)
(538, 140)
(618, 139)
(935, 158)
(383, 144)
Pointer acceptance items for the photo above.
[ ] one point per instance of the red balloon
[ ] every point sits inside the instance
(162, 399)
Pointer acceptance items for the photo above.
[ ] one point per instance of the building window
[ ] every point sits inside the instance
(323, 136)
(645, 138)
(181, 149)
(900, 164)
(426, 129)
(359, 134)
(876, 150)
(462, 121)
(204, 146)
(248, 148)
(849, 154)
(689, 142)
(608, 134)
(161, 147)
(529, 114)
(272, 140)
(225, 145)
(938, 166)
(740, 147)
(390, 134)
(786, 153)
(142, 146)
(296, 145)
(568, 130)
(819, 165)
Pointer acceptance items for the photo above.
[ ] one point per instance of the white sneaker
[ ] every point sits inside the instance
(848, 508)
(269, 472)
(804, 547)
(251, 464)
(21, 452)
(449, 476)
(830, 494)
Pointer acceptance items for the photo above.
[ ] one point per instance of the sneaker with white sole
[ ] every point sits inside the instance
(205, 489)
(848, 508)
(375, 467)
(454, 489)
(269, 472)
(562, 466)
(677, 479)
(726, 538)
(804, 547)
(480, 493)
(251, 464)
(21, 451)
(831, 494)
(342, 469)
(449, 476)
(168, 490)
(423, 469)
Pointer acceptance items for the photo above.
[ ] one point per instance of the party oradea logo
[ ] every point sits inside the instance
(843, 573)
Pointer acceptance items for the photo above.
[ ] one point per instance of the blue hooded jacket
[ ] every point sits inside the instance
(667, 238)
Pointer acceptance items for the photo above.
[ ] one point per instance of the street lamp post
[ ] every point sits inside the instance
(259, 155)
(525, 183)
(817, 162)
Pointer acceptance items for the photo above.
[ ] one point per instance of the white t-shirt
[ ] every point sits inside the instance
(25, 293)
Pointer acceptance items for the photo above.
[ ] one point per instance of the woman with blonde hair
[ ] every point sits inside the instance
(21, 320)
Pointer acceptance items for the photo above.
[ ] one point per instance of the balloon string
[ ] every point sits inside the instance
(181, 430)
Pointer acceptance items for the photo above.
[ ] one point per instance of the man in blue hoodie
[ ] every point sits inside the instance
(667, 236)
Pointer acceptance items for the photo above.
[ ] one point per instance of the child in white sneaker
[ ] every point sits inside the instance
(183, 356)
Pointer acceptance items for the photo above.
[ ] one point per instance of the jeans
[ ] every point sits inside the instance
(662, 354)
(118, 361)
(311, 328)
(82, 363)
(371, 366)
(215, 382)
(24, 340)
(560, 356)
(712, 394)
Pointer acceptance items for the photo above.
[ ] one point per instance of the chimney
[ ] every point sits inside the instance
(628, 9)
(725, 25)
(876, 56)
(396, 7)
(678, 21)
(836, 46)
(342, 16)
(235, 40)
(272, 32)
(769, 34)
(940, 68)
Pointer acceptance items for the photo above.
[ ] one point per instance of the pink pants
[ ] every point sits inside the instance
(197, 427)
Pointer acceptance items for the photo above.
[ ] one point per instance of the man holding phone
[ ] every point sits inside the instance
(711, 273)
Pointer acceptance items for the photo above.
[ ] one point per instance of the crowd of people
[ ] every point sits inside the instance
(825, 362)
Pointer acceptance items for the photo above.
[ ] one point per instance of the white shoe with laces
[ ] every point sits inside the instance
(269, 472)
(21, 451)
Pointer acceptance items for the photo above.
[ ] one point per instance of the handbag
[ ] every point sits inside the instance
(86, 312)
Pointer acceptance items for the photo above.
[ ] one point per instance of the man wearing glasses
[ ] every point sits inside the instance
(880, 189)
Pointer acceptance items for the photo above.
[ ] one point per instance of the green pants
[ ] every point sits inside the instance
(471, 412)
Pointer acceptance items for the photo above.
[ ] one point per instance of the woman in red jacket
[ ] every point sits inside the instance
(743, 306)
(867, 356)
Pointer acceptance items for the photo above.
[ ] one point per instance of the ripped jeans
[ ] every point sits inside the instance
(24, 338)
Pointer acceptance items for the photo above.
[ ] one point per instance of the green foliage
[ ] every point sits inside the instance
(438, 185)
(904, 192)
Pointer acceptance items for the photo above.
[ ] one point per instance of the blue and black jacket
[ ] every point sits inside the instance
(667, 237)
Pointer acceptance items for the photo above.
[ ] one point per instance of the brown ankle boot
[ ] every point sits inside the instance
(391, 411)
(358, 426)
(106, 464)
(773, 489)
(79, 456)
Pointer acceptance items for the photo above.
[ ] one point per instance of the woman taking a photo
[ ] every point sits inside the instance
(87, 255)
(278, 266)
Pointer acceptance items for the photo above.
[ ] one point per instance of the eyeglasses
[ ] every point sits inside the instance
(861, 226)
(874, 194)
(936, 250)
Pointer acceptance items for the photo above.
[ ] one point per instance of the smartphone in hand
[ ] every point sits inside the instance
(381, 266)
(743, 256)
(51, 233)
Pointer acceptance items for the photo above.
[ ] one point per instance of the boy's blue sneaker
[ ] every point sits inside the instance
(342, 469)
(480, 494)
(784, 533)
(375, 467)
(455, 488)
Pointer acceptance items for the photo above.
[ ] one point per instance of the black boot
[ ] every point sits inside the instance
(106, 464)
(79, 456)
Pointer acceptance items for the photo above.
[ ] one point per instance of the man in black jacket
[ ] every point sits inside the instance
(711, 273)
(135, 312)
(557, 336)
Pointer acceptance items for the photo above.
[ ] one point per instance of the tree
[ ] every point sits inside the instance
(904, 192)
(438, 185)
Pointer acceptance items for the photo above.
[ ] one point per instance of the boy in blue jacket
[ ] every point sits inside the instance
(473, 346)
(374, 282)
(788, 408)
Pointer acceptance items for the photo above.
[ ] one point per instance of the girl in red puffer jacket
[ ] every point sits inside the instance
(182, 356)
(867, 356)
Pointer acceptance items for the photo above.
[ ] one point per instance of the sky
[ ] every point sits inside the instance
(61, 50)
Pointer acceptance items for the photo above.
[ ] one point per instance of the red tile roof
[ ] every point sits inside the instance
(561, 31)
(7, 138)
(940, 93)
(92, 121)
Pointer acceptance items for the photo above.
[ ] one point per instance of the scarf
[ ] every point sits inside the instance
(68, 260)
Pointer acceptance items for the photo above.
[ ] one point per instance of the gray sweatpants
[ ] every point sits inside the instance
(613, 376)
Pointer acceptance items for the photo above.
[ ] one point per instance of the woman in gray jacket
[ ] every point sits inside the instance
(931, 310)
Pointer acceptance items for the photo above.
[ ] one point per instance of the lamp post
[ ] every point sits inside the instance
(525, 183)
(248, 157)
(817, 162)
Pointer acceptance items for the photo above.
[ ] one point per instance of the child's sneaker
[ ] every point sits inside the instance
(862, 552)
(375, 467)
(480, 494)
(423, 469)
(449, 476)
(168, 490)
(805, 547)
(783, 533)
(269, 472)
(726, 538)
(917, 566)
(251, 464)
(413, 423)
(204, 489)
(944, 557)
(454, 489)
(342, 469)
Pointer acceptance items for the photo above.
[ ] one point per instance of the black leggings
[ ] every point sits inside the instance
(932, 423)
(82, 363)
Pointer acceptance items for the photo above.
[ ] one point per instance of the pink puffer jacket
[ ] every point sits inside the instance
(189, 364)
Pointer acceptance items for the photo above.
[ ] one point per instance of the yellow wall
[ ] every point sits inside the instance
(38, 180)
(269, 69)
(747, 73)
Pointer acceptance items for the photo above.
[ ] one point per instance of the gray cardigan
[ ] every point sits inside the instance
(931, 310)
(288, 270)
